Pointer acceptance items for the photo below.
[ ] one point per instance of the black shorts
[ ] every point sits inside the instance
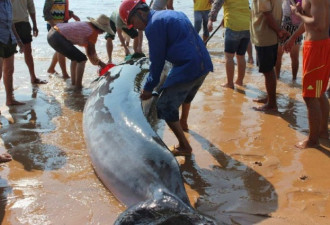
(266, 58)
(23, 30)
(60, 44)
(130, 32)
(7, 50)
(171, 98)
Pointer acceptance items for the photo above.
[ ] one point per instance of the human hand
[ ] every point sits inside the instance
(283, 34)
(210, 25)
(145, 95)
(288, 45)
(76, 18)
(21, 46)
(296, 9)
(127, 52)
(35, 31)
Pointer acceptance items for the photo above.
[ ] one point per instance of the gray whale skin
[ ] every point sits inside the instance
(129, 157)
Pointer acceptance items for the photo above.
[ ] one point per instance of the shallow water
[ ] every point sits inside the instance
(245, 168)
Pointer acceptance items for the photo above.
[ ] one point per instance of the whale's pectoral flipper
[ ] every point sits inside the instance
(165, 209)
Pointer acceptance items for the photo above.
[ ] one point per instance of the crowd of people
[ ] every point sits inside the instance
(273, 27)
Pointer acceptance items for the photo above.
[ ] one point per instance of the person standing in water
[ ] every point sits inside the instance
(314, 15)
(171, 37)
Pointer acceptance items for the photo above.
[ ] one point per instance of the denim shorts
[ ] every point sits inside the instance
(266, 58)
(236, 41)
(171, 98)
(201, 18)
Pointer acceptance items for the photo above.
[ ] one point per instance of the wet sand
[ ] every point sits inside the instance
(244, 169)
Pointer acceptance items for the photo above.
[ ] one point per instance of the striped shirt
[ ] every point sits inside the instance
(78, 33)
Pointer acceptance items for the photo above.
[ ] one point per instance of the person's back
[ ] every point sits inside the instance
(172, 37)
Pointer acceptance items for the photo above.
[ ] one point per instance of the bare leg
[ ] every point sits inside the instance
(29, 62)
(61, 61)
(279, 62)
(109, 46)
(52, 65)
(230, 70)
(250, 53)
(294, 54)
(324, 104)
(79, 73)
(73, 71)
(185, 108)
(178, 132)
(241, 66)
(314, 121)
(8, 71)
(270, 82)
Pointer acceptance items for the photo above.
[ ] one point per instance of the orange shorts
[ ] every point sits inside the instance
(316, 67)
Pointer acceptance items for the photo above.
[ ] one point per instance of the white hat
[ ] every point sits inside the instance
(102, 22)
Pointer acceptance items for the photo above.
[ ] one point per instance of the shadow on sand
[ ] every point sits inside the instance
(232, 193)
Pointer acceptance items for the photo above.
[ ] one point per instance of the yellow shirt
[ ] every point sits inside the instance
(202, 5)
(236, 14)
(261, 34)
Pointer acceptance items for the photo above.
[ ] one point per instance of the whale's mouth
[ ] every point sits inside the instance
(167, 210)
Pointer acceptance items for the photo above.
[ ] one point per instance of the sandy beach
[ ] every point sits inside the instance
(244, 169)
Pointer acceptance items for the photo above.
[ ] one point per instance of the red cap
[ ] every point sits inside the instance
(126, 8)
(105, 69)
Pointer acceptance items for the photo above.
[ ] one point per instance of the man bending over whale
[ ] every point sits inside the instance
(171, 37)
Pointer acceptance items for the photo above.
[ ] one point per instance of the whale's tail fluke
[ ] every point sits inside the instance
(164, 210)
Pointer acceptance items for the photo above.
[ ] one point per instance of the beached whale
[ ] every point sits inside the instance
(129, 157)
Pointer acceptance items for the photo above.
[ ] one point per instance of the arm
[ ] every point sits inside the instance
(316, 19)
(281, 33)
(216, 6)
(170, 5)
(18, 40)
(47, 12)
(290, 42)
(157, 37)
(32, 13)
(92, 56)
(122, 40)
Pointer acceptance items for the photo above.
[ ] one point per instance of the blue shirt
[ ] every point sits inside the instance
(6, 17)
(172, 37)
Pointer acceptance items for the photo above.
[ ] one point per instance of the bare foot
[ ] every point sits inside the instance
(14, 102)
(66, 76)
(38, 81)
(307, 144)
(250, 60)
(239, 83)
(184, 126)
(52, 71)
(5, 157)
(226, 85)
(266, 108)
(260, 100)
(178, 151)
